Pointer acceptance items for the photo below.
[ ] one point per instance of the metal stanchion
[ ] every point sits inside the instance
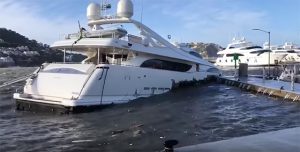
(264, 73)
(169, 145)
(293, 78)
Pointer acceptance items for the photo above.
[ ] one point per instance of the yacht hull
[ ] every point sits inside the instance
(104, 85)
(251, 60)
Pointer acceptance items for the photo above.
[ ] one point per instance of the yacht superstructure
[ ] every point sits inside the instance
(247, 53)
(119, 66)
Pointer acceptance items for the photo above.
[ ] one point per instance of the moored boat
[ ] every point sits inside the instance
(119, 66)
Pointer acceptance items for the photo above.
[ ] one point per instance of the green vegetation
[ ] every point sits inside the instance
(26, 52)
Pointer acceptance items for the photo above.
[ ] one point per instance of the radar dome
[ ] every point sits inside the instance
(93, 11)
(125, 8)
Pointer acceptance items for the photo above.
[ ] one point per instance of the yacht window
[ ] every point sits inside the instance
(166, 65)
(232, 55)
(195, 54)
(220, 55)
(281, 52)
(251, 47)
(291, 51)
(260, 51)
(213, 70)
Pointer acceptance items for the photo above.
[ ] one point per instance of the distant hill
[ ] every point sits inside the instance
(206, 49)
(26, 52)
(13, 39)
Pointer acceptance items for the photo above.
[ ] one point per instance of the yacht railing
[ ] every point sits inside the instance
(11, 82)
(113, 35)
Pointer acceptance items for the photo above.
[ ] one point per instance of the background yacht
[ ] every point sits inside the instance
(291, 50)
(247, 53)
(119, 66)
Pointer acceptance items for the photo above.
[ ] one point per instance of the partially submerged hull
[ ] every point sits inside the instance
(85, 85)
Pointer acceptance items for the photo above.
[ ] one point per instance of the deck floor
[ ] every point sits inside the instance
(273, 84)
(277, 141)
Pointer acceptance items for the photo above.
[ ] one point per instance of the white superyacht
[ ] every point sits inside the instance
(120, 66)
(247, 53)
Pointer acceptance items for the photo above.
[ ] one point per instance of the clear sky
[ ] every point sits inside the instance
(216, 21)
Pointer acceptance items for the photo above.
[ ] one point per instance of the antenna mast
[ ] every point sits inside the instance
(104, 7)
(142, 11)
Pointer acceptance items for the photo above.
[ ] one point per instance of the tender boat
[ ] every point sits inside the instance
(247, 53)
(119, 66)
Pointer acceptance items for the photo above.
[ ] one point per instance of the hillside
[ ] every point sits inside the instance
(206, 49)
(26, 52)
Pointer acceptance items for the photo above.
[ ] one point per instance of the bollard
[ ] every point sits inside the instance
(243, 70)
(169, 145)
(236, 73)
(264, 73)
(293, 79)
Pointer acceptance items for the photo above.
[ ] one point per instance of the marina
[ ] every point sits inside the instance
(277, 141)
(275, 88)
(226, 111)
(114, 84)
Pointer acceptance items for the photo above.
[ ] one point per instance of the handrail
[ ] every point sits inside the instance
(16, 80)
(23, 78)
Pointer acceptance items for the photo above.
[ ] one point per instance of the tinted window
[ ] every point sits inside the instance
(166, 65)
(232, 55)
(196, 54)
(251, 47)
(260, 51)
(291, 51)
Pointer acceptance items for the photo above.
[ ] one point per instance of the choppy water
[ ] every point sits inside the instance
(191, 115)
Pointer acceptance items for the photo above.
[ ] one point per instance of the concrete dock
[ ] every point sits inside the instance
(273, 88)
(287, 140)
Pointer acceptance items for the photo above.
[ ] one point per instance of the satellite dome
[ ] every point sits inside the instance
(93, 11)
(125, 9)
